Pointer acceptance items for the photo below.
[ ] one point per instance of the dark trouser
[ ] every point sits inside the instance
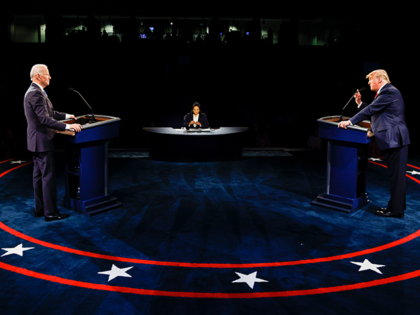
(45, 188)
(396, 160)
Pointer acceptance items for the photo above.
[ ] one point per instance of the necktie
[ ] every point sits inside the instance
(376, 95)
(45, 93)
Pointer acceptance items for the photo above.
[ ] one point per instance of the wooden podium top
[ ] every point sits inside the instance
(363, 126)
(86, 124)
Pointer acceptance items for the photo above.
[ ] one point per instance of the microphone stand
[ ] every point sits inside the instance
(342, 111)
(92, 120)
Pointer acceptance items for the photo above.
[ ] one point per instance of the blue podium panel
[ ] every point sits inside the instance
(353, 134)
(93, 171)
(347, 165)
(95, 133)
(87, 165)
(342, 169)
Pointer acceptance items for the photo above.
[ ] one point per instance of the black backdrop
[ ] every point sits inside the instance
(275, 90)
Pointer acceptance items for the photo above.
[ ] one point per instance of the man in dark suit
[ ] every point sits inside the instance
(386, 113)
(42, 123)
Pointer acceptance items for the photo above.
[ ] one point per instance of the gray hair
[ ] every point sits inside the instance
(37, 69)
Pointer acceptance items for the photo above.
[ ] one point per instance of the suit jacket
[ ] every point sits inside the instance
(41, 119)
(386, 114)
(202, 118)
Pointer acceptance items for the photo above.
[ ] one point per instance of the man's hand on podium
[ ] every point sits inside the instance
(344, 124)
(358, 97)
(73, 117)
(76, 127)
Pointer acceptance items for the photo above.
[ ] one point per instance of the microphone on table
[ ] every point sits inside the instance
(341, 116)
(93, 115)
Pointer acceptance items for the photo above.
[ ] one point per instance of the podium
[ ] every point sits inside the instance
(346, 165)
(86, 155)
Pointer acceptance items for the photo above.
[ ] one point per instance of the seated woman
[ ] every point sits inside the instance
(196, 119)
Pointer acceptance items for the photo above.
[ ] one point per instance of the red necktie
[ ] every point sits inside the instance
(376, 95)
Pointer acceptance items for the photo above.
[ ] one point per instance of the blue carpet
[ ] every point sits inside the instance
(238, 215)
(145, 154)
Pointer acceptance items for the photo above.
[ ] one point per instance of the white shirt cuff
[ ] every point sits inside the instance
(67, 117)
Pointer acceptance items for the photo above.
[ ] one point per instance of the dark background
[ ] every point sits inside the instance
(278, 90)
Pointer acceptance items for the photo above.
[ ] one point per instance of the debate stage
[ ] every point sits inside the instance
(228, 237)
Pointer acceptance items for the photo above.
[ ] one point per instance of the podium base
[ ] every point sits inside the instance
(92, 206)
(341, 204)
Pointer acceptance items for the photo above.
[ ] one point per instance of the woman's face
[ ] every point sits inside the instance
(196, 110)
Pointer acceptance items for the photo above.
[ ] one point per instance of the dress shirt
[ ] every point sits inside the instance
(195, 118)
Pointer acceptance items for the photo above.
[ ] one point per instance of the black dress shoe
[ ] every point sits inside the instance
(56, 217)
(38, 215)
(382, 212)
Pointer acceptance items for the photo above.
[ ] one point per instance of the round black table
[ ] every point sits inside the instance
(166, 143)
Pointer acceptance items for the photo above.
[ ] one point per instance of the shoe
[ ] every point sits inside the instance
(382, 212)
(38, 215)
(56, 217)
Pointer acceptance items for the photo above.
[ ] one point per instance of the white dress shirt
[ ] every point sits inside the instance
(195, 118)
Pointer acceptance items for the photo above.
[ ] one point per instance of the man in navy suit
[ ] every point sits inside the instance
(42, 123)
(386, 113)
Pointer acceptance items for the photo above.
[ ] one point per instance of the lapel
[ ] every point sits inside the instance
(45, 97)
(385, 87)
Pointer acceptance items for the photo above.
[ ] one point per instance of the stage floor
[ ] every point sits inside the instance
(231, 237)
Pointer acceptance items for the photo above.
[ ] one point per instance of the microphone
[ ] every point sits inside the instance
(341, 116)
(93, 115)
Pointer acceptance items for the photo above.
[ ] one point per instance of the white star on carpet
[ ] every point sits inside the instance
(116, 272)
(374, 159)
(248, 279)
(17, 162)
(18, 250)
(413, 172)
(367, 265)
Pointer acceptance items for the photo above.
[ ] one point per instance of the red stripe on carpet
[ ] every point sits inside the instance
(12, 169)
(210, 265)
(105, 287)
(6, 160)
(413, 166)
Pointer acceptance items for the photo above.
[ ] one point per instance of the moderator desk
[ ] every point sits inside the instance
(166, 143)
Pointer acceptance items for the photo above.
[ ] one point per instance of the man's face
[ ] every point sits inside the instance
(44, 77)
(375, 83)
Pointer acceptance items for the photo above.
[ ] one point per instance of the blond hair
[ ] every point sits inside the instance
(379, 74)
